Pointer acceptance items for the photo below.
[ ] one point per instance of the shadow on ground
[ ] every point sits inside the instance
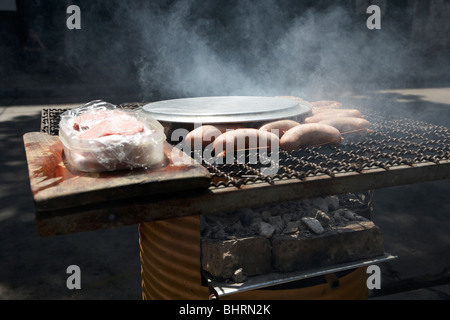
(35, 268)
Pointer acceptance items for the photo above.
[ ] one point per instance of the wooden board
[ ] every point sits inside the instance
(56, 186)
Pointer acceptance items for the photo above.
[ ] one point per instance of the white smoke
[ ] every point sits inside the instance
(263, 49)
(189, 48)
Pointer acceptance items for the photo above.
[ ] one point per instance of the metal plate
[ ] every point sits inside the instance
(226, 109)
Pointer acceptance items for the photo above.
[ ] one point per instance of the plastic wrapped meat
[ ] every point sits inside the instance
(101, 137)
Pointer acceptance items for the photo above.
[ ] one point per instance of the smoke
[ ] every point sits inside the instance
(261, 48)
(266, 47)
(188, 58)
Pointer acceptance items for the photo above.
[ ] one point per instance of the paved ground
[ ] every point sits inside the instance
(415, 219)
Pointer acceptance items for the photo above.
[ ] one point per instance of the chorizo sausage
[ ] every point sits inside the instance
(326, 104)
(309, 134)
(206, 134)
(281, 125)
(248, 138)
(348, 112)
(333, 114)
(348, 124)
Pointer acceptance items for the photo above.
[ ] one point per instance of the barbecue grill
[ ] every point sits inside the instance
(397, 151)
(393, 143)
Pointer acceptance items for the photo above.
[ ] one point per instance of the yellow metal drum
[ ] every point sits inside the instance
(170, 268)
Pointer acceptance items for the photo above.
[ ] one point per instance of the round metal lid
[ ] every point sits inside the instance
(225, 109)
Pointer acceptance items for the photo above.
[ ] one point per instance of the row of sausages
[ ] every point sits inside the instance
(327, 125)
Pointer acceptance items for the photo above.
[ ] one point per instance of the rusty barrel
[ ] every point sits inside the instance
(171, 269)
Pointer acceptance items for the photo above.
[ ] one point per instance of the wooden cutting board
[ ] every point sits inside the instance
(55, 185)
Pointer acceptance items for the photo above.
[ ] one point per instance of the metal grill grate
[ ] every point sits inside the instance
(393, 142)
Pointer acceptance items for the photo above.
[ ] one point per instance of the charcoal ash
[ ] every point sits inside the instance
(305, 217)
(288, 236)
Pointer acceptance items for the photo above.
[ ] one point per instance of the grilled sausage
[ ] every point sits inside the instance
(207, 133)
(326, 104)
(348, 124)
(348, 112)
(281, 125)
(309, 134)
(332, 114)
(247, 138)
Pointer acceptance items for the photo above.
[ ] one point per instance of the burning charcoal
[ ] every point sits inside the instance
(291, 227)
(313, 224)
(299, 204)
(344, 199)
(323, 218)
(320, 203)
(277, 223)
(275, 210)
(265, 215)
(360, 218)
(246, 216)
(340, 211)
(216, 227)
(312, 212)
(217, 231)
(239, 275)
(333, 203)
(239, 230)
(296, 215)
(355, 203)
(230, 229)
(337, 216)
(289, 206)
(287, 217)
(266, 229)
(307, 210)
(363, 196)
(349, 215)
(345, 213)
(305, 205)
(256, 219)
(254, 228)
(350, 200)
